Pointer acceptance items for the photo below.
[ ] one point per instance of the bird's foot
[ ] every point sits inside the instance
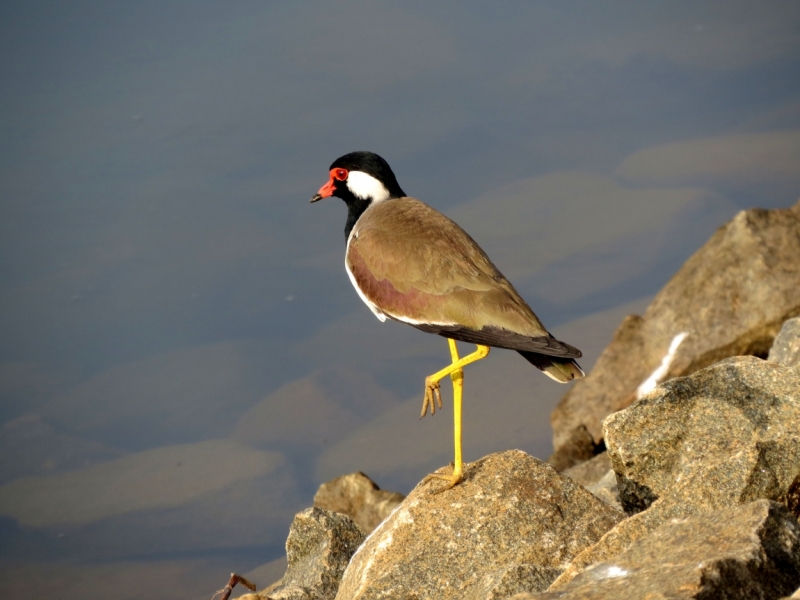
(451, 480)
(433, 396)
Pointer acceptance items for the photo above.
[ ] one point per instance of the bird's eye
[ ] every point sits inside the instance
(340, 174)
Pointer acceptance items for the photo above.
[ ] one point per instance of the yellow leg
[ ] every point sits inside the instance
(432, 394)
(457, 378)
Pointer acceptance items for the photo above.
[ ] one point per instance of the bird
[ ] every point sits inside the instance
(410, 263)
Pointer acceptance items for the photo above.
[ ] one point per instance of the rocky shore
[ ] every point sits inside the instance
(676, 471)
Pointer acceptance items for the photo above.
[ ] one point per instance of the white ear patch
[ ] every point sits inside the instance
(365, 186)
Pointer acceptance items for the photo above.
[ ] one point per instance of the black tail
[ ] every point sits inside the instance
(562, 370)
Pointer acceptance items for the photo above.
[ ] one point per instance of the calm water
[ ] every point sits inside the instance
(182, 357)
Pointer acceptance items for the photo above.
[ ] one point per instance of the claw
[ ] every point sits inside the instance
(451, 480)
(433, 396)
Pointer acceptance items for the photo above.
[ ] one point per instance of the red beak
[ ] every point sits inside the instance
(325, 191)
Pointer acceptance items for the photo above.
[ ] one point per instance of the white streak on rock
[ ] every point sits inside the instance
(607, 572)
(656, 376)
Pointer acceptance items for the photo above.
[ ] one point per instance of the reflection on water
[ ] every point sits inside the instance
(183, 360)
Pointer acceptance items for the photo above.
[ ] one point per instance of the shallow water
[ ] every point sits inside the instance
(182, 357)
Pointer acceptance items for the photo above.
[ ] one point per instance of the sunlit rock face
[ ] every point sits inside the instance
(730, 298)
(724, 436)
(318, 548)
(733, 553)
(704, 467)
(511, 509)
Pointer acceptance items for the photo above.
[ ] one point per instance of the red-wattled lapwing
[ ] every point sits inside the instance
(411, 263)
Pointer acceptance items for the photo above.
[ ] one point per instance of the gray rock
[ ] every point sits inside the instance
(730, 297)
(590, 472)
(620, 538)
(724, 436)
(576, 448)
(727, 434)
(319, 546)
(512, 580)
(511, 509)
(358, 497)
(597, 476)
(745, 552)
(786, 348)
(289, 592)
(607, 490)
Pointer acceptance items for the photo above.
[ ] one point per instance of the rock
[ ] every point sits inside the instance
(786, 348)
(744, 552)
(577, 448)
(590, 472)
(319, 546)
(511, 509)
(730, 298)
(291, 592)
(358, 497)
(512, 580)
(597, 476)
(607, 490)
(793, 497)
(272, 571)
(726, 435)
(729, 433)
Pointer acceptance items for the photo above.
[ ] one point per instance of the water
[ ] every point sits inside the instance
(182, 357)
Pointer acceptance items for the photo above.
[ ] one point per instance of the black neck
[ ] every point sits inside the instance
(355, 208)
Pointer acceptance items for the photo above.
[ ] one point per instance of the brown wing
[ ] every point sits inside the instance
(420, 267)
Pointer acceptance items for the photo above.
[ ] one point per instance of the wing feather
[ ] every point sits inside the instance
(420, 267)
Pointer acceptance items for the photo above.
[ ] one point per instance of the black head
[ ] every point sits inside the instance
(360, 177)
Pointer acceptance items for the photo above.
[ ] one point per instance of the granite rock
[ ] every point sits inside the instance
(289, 592)
(786, 348)
(724, 436)
(729, 434)
(607, 490)
(730, 298)
(511, 509)
(512, 580)
(591, 471)
(358, 497)
(319, 546)
(597, 476)
(745, 552)
(576, 448)
(621, 537)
